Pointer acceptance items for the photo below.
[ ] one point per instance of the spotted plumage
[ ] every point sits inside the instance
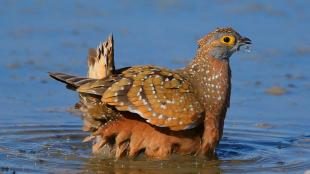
(196, 96)
(163, 97)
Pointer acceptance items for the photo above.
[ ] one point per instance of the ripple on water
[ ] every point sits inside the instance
(59, 148)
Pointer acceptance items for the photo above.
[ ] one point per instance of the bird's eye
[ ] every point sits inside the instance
(228, 40)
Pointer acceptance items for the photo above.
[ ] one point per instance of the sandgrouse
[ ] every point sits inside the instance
(157, 110)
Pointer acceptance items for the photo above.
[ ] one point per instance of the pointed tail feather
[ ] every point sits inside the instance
(73, 82)
(101, 60)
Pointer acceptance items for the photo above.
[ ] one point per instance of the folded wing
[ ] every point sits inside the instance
(160, 96)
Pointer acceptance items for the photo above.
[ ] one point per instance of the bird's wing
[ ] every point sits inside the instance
(162, 97)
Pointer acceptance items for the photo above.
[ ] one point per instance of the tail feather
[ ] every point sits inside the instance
(73, 82)
(101, 60)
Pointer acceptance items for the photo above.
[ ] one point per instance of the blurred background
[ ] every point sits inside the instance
(267, 127)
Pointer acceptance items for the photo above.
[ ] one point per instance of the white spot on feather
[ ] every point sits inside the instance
(144, 102)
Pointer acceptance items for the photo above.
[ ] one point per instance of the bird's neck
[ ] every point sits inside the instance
(211, 78)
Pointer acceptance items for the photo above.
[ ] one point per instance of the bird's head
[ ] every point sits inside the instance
(222, 43)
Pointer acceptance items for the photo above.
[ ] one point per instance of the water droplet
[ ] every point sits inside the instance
(247, 48)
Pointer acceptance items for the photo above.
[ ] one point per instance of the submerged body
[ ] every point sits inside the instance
(158, 110)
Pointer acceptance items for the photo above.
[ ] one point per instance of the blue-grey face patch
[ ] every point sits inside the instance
(223, 51)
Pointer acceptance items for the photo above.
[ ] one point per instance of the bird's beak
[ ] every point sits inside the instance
(243, 41)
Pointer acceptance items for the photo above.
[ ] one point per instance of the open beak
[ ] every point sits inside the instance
(243, 41)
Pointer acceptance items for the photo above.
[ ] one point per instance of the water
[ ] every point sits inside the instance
(264, 133)
(246, 147)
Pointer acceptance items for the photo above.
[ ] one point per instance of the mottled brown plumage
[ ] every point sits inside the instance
(155, 109)
(163, 97)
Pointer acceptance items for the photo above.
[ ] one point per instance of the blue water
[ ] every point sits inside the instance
(264, 133)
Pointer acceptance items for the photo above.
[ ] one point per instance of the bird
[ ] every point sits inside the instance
(158, 110)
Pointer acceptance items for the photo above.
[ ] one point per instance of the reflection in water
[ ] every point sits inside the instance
(244, 148)
(180, 165)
